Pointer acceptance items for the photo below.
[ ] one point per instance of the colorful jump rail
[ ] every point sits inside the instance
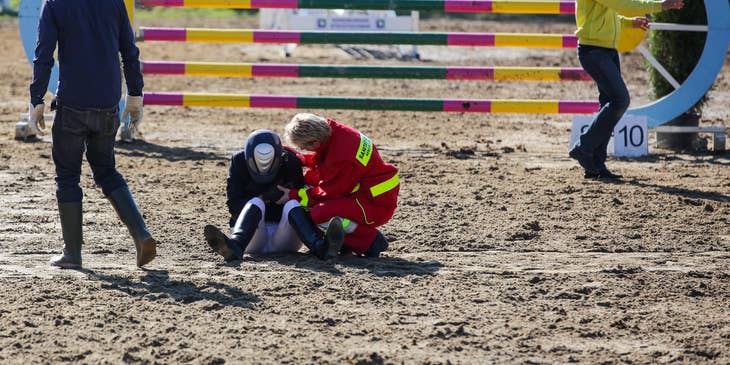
(251, 70)
(358, 103)
(448, 6)
(524, 40)
(658, 112)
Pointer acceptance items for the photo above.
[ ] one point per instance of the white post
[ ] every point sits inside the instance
(658, 66)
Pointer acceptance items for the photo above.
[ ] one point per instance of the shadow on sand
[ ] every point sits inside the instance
(150, 150)
(381, 266)
(689, 196)
(721, 158)
(156, 285)
(684, 192)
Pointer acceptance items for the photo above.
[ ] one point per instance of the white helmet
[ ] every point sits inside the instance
(263, 155)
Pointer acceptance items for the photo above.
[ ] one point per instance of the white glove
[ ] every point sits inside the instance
(36, 123)
(133, 109)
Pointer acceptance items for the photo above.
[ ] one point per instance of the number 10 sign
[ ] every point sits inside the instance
(629, 138)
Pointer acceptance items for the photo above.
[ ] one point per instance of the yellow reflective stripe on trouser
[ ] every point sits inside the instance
(349, 226)
(385, 186)
(357, 187)
(346, 223)
(303, 198)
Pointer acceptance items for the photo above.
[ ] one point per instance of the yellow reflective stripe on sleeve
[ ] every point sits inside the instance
(365, 150)
(303, 198)
(385, 186)
(357, 187)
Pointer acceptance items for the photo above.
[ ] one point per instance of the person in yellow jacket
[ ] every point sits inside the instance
(599, 30)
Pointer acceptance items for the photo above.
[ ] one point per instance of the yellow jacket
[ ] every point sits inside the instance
(600, 21)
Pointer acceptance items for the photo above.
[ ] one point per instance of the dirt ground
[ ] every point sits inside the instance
(500, 251)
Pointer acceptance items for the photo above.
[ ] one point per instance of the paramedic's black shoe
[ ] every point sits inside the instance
(379, 245)
(334, 237)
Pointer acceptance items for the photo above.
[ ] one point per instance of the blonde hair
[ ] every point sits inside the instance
(306, 128)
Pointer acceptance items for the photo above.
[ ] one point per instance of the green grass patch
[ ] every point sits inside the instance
(12, 12)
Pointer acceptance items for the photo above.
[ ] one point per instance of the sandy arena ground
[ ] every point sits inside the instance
(500, 251)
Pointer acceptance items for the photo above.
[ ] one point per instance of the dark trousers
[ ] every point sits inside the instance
(604, 66)
(75, 131)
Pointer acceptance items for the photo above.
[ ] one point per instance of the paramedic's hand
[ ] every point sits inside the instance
(284, 197)
(641, 23)
(133, 109)
(36, 123)
(672, 4)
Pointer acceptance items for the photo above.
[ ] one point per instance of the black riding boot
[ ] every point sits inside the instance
(126, 208)
(71, 221)
(321, 246)
(232, 248)
(379, 245)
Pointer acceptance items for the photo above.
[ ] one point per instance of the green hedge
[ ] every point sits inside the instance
(677, 51)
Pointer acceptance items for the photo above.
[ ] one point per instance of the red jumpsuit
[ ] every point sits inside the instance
(348, 179)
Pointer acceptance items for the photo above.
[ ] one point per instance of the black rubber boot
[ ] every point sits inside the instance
(246, 225)
(379, 245)
(221, 244)
(323, 247)
(233, 248)
(71, 226)
(126, 208)
(307, 232)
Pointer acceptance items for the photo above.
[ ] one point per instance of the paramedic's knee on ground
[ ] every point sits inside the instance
(360, 232)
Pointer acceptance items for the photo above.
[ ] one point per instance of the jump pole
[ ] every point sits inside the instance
(523, 40)
(254, 70)
(658, 112)
(359, 103)
(447, 6)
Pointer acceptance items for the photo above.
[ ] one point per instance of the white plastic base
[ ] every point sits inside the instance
(22, 131)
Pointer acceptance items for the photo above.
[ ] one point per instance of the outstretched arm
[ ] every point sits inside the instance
(130, 56)
(640, 22)
(43, 60)
(334, 185)
(631, 8)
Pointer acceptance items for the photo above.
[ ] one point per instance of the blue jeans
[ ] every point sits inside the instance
(93, 130)
(604, 66)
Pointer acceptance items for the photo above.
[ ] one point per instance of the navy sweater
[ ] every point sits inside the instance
(90, 35)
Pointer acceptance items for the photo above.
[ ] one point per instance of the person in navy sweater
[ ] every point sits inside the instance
(90, 35)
